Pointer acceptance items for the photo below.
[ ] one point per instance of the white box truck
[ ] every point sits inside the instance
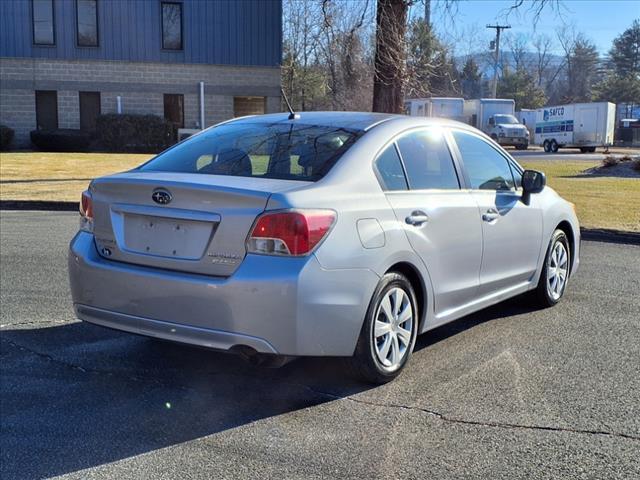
(578, 125)
(495, 117)
(527, 117)
(441, 107)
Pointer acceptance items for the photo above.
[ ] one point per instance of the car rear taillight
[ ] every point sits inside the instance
(290, 232)
(86, 212)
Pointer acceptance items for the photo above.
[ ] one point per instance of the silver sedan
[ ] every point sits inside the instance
(335, 234)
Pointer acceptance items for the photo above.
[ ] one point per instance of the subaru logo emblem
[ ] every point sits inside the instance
(161, 196)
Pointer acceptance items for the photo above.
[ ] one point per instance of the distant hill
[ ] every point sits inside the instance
(485, 61)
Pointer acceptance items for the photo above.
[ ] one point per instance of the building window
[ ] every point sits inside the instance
(174, 109)
(249, 106)
(89, 110)
(172, 26)
(43, 22)
(46, 109)
(87, 22)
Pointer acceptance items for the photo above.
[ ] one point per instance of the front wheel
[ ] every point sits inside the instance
(389, 331)
(555, 270)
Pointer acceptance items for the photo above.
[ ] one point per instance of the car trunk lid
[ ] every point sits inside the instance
(179, 221)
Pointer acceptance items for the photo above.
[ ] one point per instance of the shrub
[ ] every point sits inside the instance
(610, 161)
(135, 133)
(61, 140)
(6, 137)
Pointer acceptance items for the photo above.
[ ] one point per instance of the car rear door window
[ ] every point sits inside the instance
(487, 168)
(390, 170)
(427, 160)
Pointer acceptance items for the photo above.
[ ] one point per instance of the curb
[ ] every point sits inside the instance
(612, 236)
(592, 234)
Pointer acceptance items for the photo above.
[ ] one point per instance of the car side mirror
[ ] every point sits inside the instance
(533, 181)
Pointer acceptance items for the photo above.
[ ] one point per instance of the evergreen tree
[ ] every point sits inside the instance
(471, 79)
(521, 86)
(625, 53)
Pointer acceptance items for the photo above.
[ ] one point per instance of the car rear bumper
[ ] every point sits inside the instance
(275, 305)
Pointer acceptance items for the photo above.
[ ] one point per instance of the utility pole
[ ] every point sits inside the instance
(494, 86)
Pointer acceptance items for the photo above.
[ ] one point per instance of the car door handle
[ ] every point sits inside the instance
(490, 215)
(417, 218)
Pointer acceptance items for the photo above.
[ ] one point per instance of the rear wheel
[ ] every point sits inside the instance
(547, 146)
(553, 146)
(389, 331)
(555, 270)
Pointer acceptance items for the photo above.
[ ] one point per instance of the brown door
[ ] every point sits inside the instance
(174, 109)
(89, 110)
(249, 106)
(46, 109)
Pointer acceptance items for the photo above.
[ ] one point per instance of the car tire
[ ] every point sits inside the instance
(546, 146)
(370, 363)
(553, 146)
(548, 293)
(584, 149)
(592, 149)
(522, 146)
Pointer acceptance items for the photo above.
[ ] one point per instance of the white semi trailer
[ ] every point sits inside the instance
(441, 107)
(578, 125)
(496, 118)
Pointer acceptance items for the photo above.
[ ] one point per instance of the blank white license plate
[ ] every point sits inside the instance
(166, 237)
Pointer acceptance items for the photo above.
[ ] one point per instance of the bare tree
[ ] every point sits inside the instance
(543, 46)
(390, 58)
(301, 34)
(344, 51)
(518, 46)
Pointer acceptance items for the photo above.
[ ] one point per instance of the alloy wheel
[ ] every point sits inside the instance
(393, 329)
(557, 270)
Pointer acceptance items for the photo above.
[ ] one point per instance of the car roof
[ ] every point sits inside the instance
(352, 120)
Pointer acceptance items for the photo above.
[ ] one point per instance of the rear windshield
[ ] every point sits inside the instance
(272, 150)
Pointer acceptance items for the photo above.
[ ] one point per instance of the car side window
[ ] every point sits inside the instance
(427, 160)
(486, 167)
(390, 170)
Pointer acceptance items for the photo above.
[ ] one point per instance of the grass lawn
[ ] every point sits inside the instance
(57, 176)
(601, 202)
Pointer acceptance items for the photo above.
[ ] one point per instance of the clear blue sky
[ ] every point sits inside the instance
(600, 20)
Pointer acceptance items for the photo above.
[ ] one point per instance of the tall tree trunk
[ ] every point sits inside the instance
(389, 64)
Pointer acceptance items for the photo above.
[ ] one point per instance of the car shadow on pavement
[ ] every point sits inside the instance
(77, 396)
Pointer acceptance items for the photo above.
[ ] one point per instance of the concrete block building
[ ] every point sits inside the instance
(194, 62)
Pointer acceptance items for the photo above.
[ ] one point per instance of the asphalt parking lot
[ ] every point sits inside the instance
(507, 393)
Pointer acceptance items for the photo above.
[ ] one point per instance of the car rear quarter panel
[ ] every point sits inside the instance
(352, 190)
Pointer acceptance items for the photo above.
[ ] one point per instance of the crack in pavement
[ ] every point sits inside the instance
(461, 421)
(333, 396)
(98, 371)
